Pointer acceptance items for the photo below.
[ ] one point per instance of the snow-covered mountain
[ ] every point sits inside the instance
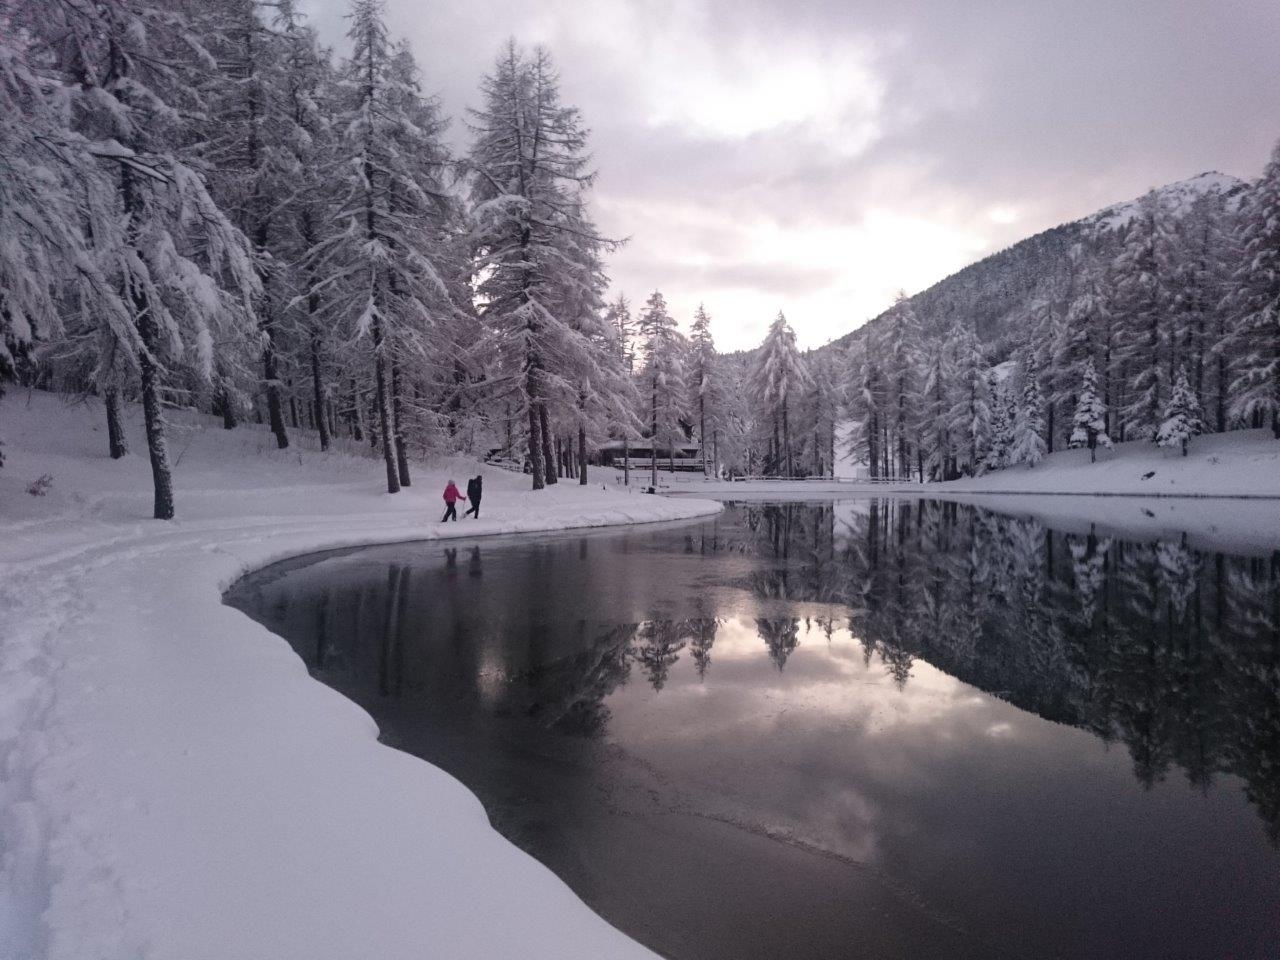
(1176, 197)
(999, 291)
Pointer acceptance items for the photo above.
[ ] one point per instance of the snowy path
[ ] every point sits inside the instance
(174, 783)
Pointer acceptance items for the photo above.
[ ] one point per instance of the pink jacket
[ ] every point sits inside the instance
(451, 494)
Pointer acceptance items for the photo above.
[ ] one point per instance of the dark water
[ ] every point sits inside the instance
(864, 729)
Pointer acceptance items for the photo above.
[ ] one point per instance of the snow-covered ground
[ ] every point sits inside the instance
(1244, 463)
(174, 784)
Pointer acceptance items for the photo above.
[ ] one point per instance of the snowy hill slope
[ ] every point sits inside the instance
(176, 787)
(998, 292)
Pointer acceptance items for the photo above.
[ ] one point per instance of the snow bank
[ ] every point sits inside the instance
(175, 785)
(1243, 463)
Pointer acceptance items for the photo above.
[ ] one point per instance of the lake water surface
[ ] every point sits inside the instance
(863, 729)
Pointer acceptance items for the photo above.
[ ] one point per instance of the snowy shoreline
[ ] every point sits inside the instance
(176, 785)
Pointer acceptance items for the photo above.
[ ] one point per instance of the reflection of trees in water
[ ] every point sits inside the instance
(781, 635)
(1173, 653)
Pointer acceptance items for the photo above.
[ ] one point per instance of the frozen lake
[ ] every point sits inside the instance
(867, 728)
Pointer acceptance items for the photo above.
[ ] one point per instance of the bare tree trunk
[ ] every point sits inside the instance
(547, 453)
(162, 479)
(384, 408)
(225, 406)
(582, 454)
(115, 428)
(317, 391)
(626, 460)
(271, 374)
(653, 437)
(535, 447)
(397, 411)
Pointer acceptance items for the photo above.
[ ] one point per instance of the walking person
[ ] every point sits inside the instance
(474, 491)
(451, 498)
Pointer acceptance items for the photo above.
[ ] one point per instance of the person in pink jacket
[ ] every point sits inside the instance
(451, 498)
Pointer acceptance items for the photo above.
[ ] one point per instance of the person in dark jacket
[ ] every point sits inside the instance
(451, 497)
(474, 492)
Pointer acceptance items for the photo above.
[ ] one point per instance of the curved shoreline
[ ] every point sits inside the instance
(179, 787)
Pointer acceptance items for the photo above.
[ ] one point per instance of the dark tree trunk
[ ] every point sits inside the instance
(317, 392)
(225, 406)
(397, 412)
(115, 428)
(626, 460)
(384, 409)
(582, 455)
(535, 447)
(162, 479)
(547, 453)
(271, 373)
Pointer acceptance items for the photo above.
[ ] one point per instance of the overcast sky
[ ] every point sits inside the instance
(815, 157)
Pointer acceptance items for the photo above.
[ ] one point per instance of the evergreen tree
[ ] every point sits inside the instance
(377, 270)
(705, 390)
(903, 360)
(778, 379)
(186, 273)
(530, 176)
(1003, 418)
(1181, 415)
(1089, 424)
(1141, 305)
(1255, 336)
(969, 420)
(663, 376)
(1028, 431)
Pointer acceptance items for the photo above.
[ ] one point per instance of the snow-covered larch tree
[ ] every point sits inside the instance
(969, 420)
(1028, 431)
(530, 174)
(377, 275)
(903, 358)
(1089, 422)
(779, 379)
(663, 377)
(705, 389)
(1255, 338)
(1181, 415)
(188, 277)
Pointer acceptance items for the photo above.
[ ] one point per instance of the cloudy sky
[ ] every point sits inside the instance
(815, 156)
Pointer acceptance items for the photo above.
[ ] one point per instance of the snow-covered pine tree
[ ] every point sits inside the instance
(378, 278)
(663, 377)
(1255, 334)
(530, 176)
(45, 263)
(1140, 304)
(1089, 422)
(865, 403)
(1181, 415)
(1028, 430)
(902, 360)
(821, 405)
(778, 380)
(308, 91)
(969, 419)
(619, 314)
(704, 389)
(1003, 417)
(130, 69)
(252, 133)
(938, 384)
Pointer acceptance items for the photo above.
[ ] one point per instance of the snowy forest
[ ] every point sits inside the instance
(202, 207)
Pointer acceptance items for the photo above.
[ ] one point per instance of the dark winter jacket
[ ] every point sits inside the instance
(474, 490)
